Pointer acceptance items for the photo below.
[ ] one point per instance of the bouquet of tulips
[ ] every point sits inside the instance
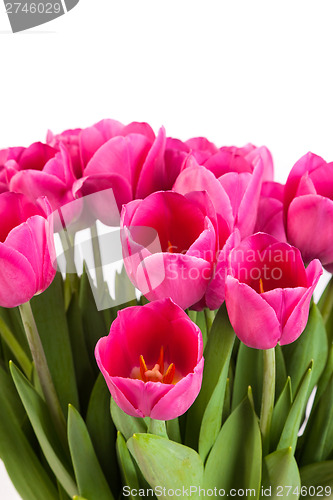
(158, 336)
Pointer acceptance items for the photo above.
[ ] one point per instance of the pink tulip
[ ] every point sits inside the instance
(69, 139)
(26, 249)
(169, 247)
(308, 209)
(270, 211)
(152, 360)
(234, 193)
(42, 175)
(268, 291)
(130, 163)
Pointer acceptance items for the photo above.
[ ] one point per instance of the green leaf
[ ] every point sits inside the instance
(166, 464)
(47, 437)
(102, 431)
(281, 371)
(326, 375)
(292, 424)
(127, 467)
(173, 430)
(124, 423)
(23, 466)
(205, 415)
(92, 319)
(249, 370)
(90, 478)
(280, 414)
(311, 345)
(49, 313)
(318, 475)
(235, 459)
(281, 475)
(85, 375)
(318, 442)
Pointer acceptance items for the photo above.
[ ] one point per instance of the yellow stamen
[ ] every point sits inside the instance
(261, 286)
(170, 373)
(170, 247)
(143, 368)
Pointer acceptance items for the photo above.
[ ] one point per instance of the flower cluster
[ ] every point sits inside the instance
(200, 225)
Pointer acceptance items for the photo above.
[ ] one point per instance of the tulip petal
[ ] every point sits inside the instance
(310, 227)
(152, 175)
(298, 318)
(197, 178)
(254, 321)
(92, 138)
(178, 400)
(17, 278)
(182, 278)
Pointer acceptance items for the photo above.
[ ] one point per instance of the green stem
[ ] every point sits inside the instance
(192, 315)
(157, 427)
(97, 258)
(15, 348)
(42, 370)
(268, 395)
(209, 317)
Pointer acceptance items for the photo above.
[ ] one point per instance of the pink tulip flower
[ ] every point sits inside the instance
(308, 209)
(152, 360)
(268, 291)
(169, 247)
(27, 253)
(235, 193)
(41, 174)
(270, 211)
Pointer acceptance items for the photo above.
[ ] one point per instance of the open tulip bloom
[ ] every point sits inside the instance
(148, 391)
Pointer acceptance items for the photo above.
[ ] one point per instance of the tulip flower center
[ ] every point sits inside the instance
(156, 374)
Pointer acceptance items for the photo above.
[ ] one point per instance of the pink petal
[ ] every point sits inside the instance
(178, 400)
(184, 279)
(17, 278)
(254, 321)
(310, 227)
(152, 176)
(92, 138)
(297, 320)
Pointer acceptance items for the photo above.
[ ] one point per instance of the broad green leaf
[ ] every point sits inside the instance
(318, 441)
(49, 313)
(249, 371)
(127, 467)
(124, 423)
(325, 377)
(318, 475)
(85, 375)
(165, 464)
(292, 424)
(102, 431)
(89, 475)
(311, 345)
(281, 475)
(280, 413)
(205, 415)
(92, 319)
(47, 437)
(235, 459)
(23, 466)
(325, 303)
(79, 498)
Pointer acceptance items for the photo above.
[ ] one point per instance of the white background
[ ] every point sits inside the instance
(234, 71)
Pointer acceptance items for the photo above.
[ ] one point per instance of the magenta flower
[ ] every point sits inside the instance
(268, 291)
(152, 360)
(270, 211)
(233, 186)
(169, 247)
(308, 209)
(44, 172)
(26, 249)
